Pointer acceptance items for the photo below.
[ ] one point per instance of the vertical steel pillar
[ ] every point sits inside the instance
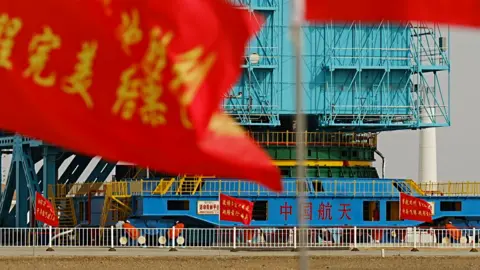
(1, 175)
(22, 204)
(6, 199)
(49, 170)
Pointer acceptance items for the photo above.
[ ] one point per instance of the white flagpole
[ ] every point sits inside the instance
(298, 13)
(219, 213)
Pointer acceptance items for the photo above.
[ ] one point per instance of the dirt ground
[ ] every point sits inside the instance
(241, 263)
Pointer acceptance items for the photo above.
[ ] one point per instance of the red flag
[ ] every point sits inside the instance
(236, 210)
(44, 211)
(132, 80)
(463, 12)
(412, 208)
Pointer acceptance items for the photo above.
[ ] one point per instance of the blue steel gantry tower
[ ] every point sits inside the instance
(356, 77)
(34, 167)
(358, 80)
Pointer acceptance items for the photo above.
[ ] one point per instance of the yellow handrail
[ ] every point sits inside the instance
(329, 187)
(316, 138)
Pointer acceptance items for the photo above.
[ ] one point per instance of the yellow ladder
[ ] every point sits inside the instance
(116, 203)
(413, 185)
(164, 186)
(189, 185)
(65, 209)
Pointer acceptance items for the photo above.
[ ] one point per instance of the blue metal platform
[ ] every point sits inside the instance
(331, 202)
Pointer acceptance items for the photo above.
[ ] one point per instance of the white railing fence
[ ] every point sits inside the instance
(240, 238)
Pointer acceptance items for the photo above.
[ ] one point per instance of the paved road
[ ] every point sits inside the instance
(12, 251)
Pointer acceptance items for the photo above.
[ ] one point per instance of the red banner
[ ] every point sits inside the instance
(44, 211)
(235, 210)
(451, 12)
(135, 81)
(412, 208)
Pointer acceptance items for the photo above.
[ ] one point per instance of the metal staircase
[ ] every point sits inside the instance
(189, 185)
(408, 186)
(116, 204)
(64, 206)
(414, 186)
(65, 211)
(164, 186)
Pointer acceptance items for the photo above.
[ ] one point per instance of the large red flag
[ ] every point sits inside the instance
(130, 80)
(464, 12)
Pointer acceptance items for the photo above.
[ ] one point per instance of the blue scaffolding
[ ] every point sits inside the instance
(362, 77)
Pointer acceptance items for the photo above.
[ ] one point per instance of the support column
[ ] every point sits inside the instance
(1, 175)
(22, 204)
(427, 167)
(50, 173)
(6, 199)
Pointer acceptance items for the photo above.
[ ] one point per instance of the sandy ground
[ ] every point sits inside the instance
(238, 262)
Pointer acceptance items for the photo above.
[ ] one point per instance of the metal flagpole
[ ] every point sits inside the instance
(219, 212)
(298, 9)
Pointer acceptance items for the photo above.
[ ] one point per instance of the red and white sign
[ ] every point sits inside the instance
(208, 208)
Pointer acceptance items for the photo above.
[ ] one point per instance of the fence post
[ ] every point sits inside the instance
(50, 248)
(294, 238)
(414, 249)
(173, 239)
(112, 240)
(355, 248)
(234, 240)
(474, 246)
